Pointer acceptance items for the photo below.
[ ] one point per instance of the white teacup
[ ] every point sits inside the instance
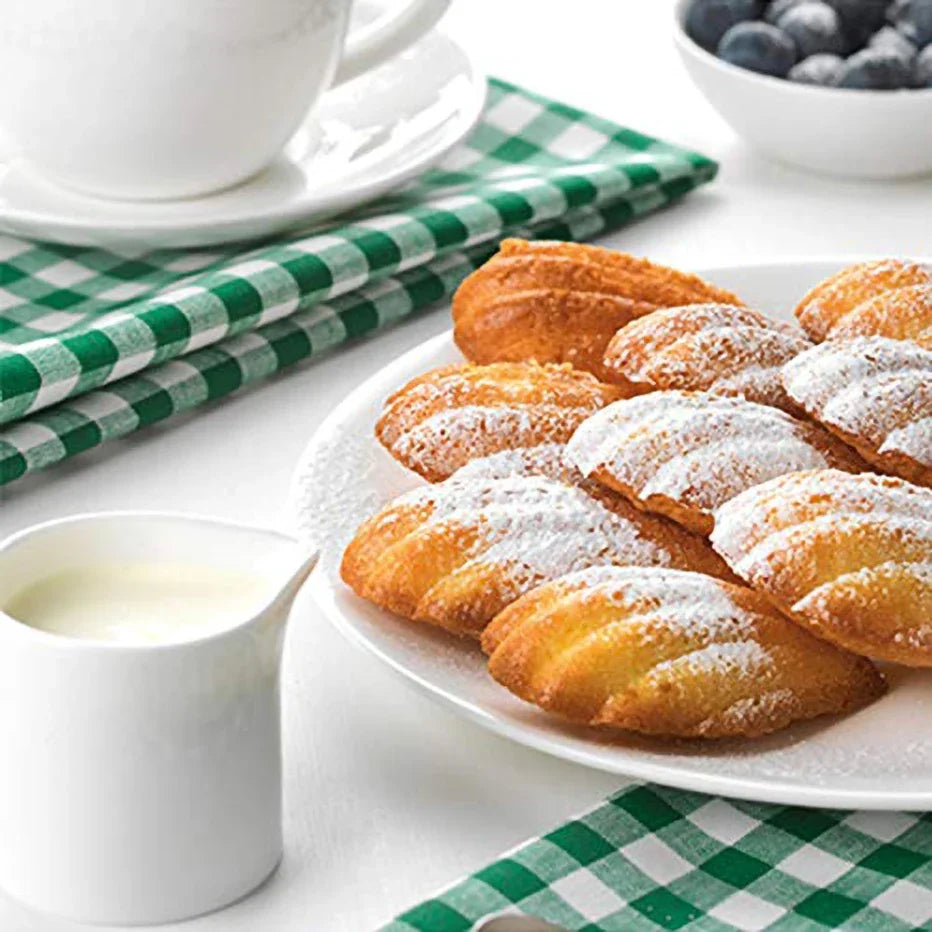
(142, 776)
(151, 99)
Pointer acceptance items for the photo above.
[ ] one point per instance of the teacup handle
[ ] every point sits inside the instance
(387, 36)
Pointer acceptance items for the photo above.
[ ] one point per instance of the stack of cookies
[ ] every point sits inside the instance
(656, 508)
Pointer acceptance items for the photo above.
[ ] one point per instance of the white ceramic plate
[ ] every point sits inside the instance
(365, 138)
(879, 758)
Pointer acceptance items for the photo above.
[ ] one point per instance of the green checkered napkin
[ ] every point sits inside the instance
(652, 858)
(95, 345)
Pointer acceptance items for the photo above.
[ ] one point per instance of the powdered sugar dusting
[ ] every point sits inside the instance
(874, 388)
(719, 348)
(537, 526)
(448, 439)
(729, 659)
(439, 422)
(760, 525)
(697, 448)
(545, 459)
(691, 602)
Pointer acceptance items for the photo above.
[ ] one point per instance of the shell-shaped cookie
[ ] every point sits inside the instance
(721, 348)
(832, 300)
(456, 553)
(562, 302)
(901, 314)
(666, 652)
(848, 556)
(443, 419)
(876, 394)
(682, 454)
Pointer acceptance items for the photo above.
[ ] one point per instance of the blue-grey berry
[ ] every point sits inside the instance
(893, 41)
(860, 19)
(776, 9)
(708, 20)
(758, 47)
(823, 70)
(914, 19)
(923, 68)
(876, 70)
(815, 27)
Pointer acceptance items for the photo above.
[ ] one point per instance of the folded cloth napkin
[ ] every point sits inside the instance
(655, 858)
(94, 345)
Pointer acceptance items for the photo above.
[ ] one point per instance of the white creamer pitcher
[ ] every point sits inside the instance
(142, 783)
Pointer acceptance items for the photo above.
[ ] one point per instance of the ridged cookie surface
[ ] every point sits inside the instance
(832, 300)
(850, 556)
(445, 418)
(875, 394)
(682, 454)
(562, 302)
(456, 553)
(901, 314)
(667, 652)
(721, 348)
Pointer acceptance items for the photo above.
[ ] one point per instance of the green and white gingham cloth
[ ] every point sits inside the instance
(653, 859)
(94, 345)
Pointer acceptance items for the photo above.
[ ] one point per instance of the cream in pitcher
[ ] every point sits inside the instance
(139, 603)
(139, 697)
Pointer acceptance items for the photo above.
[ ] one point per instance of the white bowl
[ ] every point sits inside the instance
(834, 131)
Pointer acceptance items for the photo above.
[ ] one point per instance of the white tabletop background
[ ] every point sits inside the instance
(388, 797)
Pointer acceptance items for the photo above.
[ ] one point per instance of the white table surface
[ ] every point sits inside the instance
(388, 797)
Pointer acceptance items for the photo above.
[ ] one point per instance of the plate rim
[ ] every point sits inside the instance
(203, 231)
(770, 791)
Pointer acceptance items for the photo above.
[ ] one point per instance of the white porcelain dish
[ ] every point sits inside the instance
(365, 138)
(856, 134)
(879, 758)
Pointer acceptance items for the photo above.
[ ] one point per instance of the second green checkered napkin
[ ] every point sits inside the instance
(652, 859)
(95, 345)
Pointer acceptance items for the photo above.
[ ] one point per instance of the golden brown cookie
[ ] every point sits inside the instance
(830, 301)
(673, 653)
(721, 348)
(442, 420)
(456, 553)
(682, 454)
(875, 394)
(562, 302)
(848, 556)
(901, 314)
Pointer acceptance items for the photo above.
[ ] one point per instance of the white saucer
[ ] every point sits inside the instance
(878, 758)
(364, 138)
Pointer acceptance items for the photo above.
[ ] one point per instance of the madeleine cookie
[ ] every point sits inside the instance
(901, 314)
(562, 302)
(456, 553)
(682, 454)
(721, 348)
(832, 300)
(876, 394)
(673, 653)
(442, 420)
(848, 556)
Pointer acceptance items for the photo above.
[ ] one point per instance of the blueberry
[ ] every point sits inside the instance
(708, 20)
(776, 9)
(758, 47)
(914, 19)
(823, 70)
(894, 41)
(860, 19)
(923, 68)
(876, 70)
(814, 27)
